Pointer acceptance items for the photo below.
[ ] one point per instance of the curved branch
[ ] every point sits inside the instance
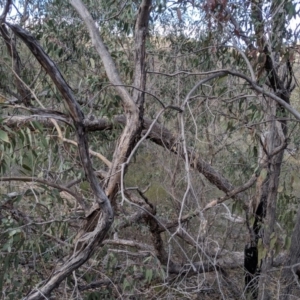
(73, 106)
(80, 200)
(109, 64)
(91, 241)
(253, 84)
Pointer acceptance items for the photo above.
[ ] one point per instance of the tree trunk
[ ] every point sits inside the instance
(291, 273)
(275, 135)
(263, 227)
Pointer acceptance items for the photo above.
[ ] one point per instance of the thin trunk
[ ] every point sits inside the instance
(291, 273)
(269, 221)
(257, 280)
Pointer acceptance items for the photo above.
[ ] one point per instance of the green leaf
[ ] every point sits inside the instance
(85, 186)
(147, 259)
(261, 250)
(126, 284)
(149, 275)
(92, 63)
(4, 136)
(287, 242)
(13, 232)
(37, 125)
(29, 136)
(26, 167)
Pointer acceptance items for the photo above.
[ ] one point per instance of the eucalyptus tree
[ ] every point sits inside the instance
(123, 120)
